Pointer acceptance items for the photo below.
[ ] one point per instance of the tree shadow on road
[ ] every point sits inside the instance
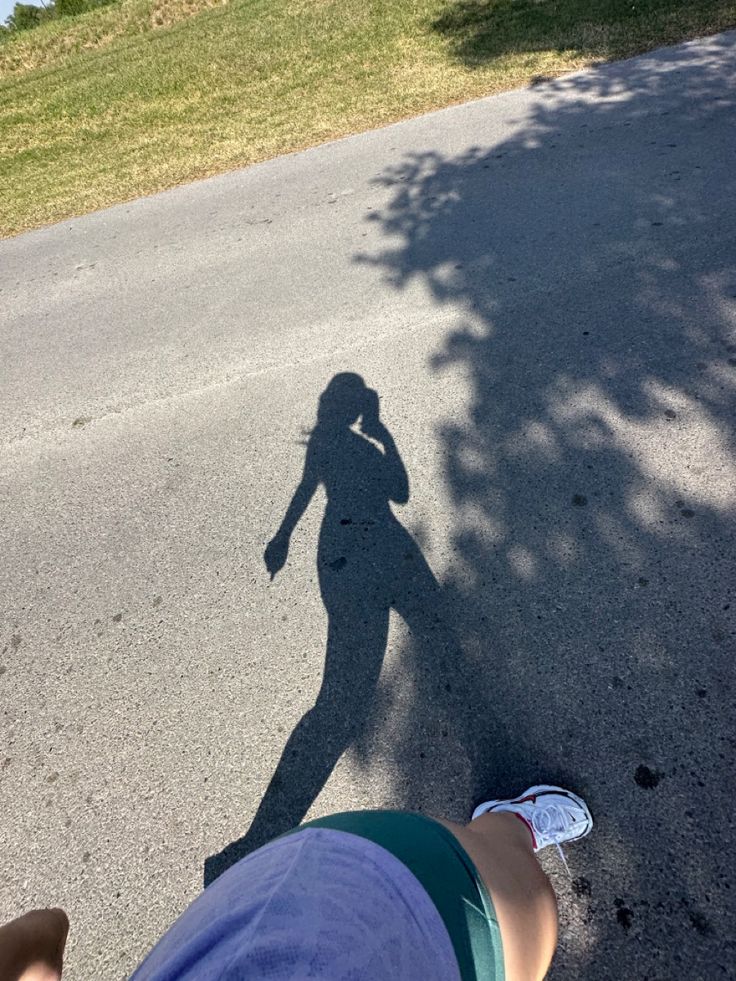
(590, 260)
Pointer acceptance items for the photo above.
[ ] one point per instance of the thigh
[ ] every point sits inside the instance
(447, 873)
(525, 903)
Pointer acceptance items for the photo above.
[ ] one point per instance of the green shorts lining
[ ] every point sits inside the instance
(447, 873)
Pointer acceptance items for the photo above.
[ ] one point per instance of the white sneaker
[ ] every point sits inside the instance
(553, 815)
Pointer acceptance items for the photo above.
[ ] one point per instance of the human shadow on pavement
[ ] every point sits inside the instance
(368, 564)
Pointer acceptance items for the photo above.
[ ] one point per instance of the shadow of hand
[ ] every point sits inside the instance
(275, 554)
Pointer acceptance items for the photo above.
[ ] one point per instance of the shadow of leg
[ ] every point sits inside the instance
(309, 756)
(355, 647)
(459, 745)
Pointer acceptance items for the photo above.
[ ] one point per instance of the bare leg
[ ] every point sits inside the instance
(501, 848)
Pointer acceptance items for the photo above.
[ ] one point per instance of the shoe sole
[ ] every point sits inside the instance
(540, 791)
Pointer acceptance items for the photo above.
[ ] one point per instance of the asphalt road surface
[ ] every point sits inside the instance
(541, 287)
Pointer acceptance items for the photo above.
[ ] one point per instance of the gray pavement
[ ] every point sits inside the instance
(542, 288)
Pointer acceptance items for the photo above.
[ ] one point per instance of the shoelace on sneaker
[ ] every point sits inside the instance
(558, 846)
(550, 820)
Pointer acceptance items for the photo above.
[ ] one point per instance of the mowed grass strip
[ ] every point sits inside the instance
(146, 94)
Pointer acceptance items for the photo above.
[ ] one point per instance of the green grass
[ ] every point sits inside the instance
(146, 94)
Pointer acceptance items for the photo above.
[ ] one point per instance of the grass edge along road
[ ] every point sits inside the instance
(143, 95)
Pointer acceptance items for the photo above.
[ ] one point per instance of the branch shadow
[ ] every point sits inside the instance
(592, 479)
